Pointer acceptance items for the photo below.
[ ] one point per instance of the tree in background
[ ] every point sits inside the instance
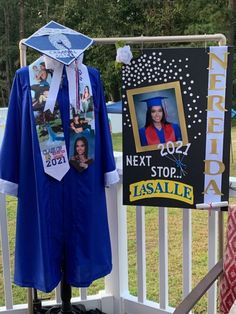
(114, 18)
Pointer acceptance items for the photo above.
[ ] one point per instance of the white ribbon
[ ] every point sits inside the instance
(71, 76)
(57, 68)
(215, 159)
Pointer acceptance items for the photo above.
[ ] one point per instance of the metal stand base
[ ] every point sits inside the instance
(66, 307)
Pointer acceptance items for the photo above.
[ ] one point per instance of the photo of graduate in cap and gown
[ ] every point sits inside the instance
(157, 129)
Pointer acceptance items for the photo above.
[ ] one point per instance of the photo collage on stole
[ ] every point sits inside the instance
(82, 126)
(49, 124)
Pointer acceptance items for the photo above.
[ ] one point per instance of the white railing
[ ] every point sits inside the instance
(3, 116)
(116, 299)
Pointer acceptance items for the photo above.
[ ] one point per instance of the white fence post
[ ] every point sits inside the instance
(187, 251)
(83, 294)
(116, 283)
(141, 252)
(5, 253)
(58, 294)
(163, 257)
(212, 257)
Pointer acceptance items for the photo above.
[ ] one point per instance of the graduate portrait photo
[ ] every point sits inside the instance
(157, 116)
(80, 159)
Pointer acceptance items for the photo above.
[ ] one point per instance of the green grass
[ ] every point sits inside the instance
(117, 142)
(199, 254)
(199, 249)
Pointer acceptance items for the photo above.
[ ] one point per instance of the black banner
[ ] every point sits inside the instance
(176, 127)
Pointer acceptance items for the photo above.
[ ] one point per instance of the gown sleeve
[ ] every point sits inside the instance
(177, 132)
(10, 148)
(110, 173)
(142, 137)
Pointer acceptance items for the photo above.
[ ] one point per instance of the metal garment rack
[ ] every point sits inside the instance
(220, 38)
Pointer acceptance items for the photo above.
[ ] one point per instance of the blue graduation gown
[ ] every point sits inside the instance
(58, 222)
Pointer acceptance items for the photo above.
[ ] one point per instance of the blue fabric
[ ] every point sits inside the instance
(160, 134)
(154, 101)
(57, 222)
(142, 137)
(177, 132)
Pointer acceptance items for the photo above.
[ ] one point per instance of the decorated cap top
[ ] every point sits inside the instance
(59, 42)
(154, 101)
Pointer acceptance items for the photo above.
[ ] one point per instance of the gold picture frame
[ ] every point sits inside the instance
(151, 90)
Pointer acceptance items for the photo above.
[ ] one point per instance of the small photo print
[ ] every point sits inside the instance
(80, 158)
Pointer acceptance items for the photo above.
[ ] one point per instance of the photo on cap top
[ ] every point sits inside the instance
(157, 116)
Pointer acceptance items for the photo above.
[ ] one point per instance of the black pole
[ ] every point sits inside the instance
(37, 303)
(66, 307)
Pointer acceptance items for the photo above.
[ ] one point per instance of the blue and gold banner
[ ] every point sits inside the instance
(176, 126)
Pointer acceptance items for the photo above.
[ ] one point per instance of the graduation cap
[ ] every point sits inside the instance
(154, 101)
(59, 42)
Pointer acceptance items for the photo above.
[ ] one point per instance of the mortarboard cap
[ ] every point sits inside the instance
(59, 42)
(154, 101)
